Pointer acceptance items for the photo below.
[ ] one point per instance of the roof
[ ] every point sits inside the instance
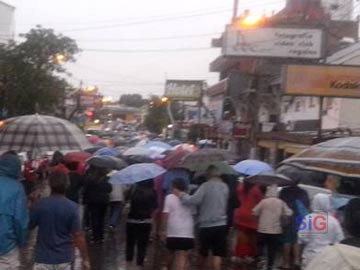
(344, 55)
(6, 4)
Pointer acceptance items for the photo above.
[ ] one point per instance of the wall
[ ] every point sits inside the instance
(339, 9)
(7, 22)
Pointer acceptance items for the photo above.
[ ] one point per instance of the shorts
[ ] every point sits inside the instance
(289, 235)
(62, 266)
(177, 243)
(213, 239)
(11, 260)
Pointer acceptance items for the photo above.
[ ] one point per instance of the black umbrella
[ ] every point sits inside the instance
(269, 179)
(108, 162)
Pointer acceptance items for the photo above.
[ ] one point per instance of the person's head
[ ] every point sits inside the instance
(331, 182)
(322, 202)
(10, 166)
(59, 182)
(57, 158)
(272, 191)
(352, 217)
(179, 184)
(148, 184)
(212, 171)
(72, 166)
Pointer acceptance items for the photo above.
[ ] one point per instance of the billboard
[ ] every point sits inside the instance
(321, 80)
(273, 42)
(184, 90)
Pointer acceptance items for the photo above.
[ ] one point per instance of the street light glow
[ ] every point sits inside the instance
(90, 89)
(164, 99)
(249, 21)
(60, 58)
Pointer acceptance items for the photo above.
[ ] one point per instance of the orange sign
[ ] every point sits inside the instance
(322, 80)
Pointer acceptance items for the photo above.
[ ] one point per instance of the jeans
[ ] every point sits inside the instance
(115, 213)
(97, 217)
(137, 235)
(63, 266)
(271, 242)
(10, 261)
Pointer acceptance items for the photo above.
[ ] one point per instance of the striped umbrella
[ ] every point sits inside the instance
(339, 156)
(41, 133)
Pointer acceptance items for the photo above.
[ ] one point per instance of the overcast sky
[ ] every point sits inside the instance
(132, 46)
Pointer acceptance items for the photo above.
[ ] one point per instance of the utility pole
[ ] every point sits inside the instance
(235, 10)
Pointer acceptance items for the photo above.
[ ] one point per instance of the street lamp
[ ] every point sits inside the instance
(164, 99)
(90, 89)
(249, 20)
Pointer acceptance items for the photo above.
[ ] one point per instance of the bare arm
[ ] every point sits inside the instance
(80, 243)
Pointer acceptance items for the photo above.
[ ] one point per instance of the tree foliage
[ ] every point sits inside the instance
(132, 100)
(157, 117)
(31, 75)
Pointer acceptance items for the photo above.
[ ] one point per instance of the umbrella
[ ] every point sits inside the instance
(339, 156)
(174, 143)
(208, 155)
(157, 146)
(108, 162)
(222, 167)
(41, 133)
(268, 179)
(137, 173)
(138, 159)
(80, 157)
(186, 147)
(119, 141)
(107, 151)
(92, 150)
(252, 167)
(138, 151)
(174, 159)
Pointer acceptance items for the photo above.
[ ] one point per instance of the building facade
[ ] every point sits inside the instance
(7, 22)
(341, 9)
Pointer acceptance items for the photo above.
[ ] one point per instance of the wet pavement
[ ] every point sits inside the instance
(110, 255)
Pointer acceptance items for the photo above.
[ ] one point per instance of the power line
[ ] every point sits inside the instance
(145, 21)
(152, 38)
(151, 51)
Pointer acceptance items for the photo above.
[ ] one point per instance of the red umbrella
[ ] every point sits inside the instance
(79, 157)
(174, 159)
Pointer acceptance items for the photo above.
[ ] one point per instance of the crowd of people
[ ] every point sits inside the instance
(255, 226)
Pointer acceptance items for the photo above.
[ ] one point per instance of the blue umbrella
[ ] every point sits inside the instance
(106, 152)
(174, 142)
(252, 167)
(137, 173)
(156, 144)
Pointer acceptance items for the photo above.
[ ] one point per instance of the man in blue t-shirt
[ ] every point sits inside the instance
(59, 229)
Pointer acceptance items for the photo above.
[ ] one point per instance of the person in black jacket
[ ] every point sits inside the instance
(96, 197)
(143, 202)
(76, 182)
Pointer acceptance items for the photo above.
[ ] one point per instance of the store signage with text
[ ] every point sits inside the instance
(273, 42)
(322, 80)
(184, 90)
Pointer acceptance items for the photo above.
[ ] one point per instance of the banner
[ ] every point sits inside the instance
(321, 80)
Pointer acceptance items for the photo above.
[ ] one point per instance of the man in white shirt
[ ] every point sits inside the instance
(178, 227)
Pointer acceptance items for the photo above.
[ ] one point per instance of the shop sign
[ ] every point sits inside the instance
(273, 42)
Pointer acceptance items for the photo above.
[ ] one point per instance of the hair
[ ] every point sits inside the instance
(59, 182)
(352, 217)
(57, 158)
(212, 171)
(179, 184)
(72, 166)
(10, 152)
(149, 183)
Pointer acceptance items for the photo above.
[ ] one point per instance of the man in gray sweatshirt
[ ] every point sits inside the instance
(211, 198)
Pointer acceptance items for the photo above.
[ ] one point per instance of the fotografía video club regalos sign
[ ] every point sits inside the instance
(273, 42)
(321, 80)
